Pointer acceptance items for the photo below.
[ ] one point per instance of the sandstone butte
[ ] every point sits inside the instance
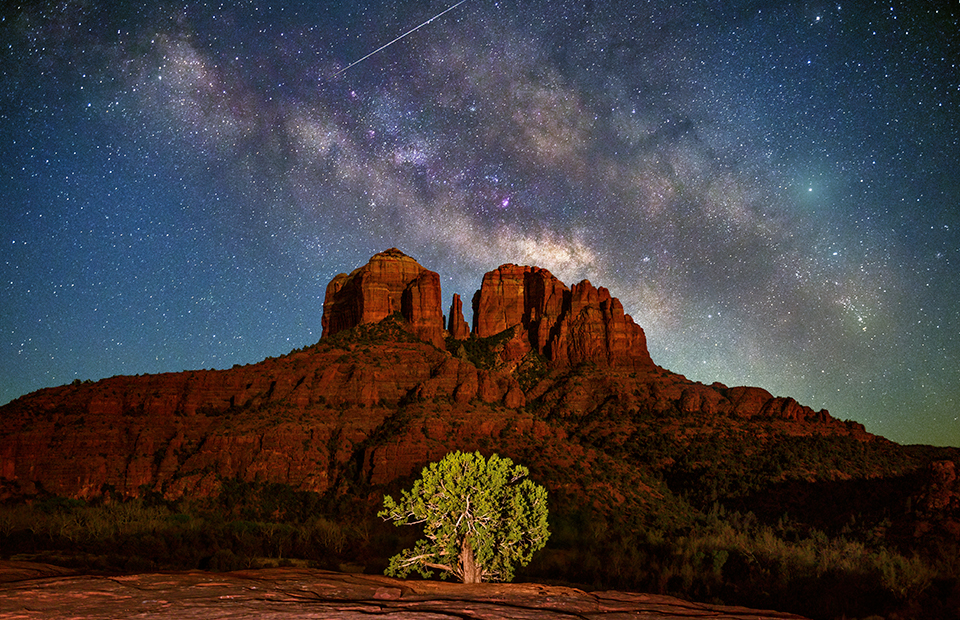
(380, 395)
(566, 325)
(390, 282)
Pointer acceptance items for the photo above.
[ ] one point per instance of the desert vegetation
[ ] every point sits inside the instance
(714, 555)
(480, 518)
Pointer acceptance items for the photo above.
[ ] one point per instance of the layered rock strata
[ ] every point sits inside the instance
(566, 325)
(345, 405)
(391, 282)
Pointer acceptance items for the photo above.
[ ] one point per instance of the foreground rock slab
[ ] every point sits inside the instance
(36, 591)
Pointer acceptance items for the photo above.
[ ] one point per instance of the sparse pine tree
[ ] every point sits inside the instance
(480, 517)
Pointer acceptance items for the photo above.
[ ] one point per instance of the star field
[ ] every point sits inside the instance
(770, 188)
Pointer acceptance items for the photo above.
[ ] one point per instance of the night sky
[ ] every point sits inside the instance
(772, 189)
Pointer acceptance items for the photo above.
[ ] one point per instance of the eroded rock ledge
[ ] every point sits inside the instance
(35, 591)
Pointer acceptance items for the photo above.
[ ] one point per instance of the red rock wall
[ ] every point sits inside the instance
(301, 418)
(390, 282)
(568, 326)
(596, 329)
(420, 306)
(294, 420)
(456, 325)
(499, 304)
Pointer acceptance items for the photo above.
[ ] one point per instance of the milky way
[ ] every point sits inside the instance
(770, 188)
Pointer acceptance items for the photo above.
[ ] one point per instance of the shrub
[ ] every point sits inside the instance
(480, 518)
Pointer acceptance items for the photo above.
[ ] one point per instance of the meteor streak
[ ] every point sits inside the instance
(412, 30)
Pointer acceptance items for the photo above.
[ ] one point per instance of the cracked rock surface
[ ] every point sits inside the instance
(40, 591)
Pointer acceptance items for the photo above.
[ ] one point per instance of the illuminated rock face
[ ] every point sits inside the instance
(566, 325)
(299, 419)
(325, 417)
(456, 325)
(390, 282)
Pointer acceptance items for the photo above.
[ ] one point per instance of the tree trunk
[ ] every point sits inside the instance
(468, 565)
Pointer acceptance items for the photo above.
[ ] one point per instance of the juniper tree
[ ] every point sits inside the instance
(480, 518)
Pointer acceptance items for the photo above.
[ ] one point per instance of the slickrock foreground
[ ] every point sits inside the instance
(38, 591)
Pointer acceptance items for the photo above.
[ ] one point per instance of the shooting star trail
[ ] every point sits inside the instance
(412, 30)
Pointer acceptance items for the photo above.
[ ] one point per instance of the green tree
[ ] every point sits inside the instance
(480, 517)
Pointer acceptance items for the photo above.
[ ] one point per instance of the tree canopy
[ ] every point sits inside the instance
(480, 518)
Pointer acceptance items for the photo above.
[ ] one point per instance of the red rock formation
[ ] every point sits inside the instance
(300, 419)
(568, 326)
(941, 493)
(420, 306)
(499, 304)
(702, 398)
(787, 409)
(44, 591)
(390, 282)
(596, 329)
(179, 433)
(748, 401)
(456, 325)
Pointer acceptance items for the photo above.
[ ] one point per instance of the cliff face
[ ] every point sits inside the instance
(296, 419)
(304, 418)
(379, 396)
(567, 326)
(390, 282)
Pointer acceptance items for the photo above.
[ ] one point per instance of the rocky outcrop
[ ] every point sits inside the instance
(941, 491)
(567, 326)
(515, 295)
(742, 402)
(347, 405)
(180, 433)
(390, 282)
(748, 401)
(295, 593)
(456, 325)
(594, 328)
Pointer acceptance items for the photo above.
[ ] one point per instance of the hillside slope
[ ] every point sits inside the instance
(647, 471)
